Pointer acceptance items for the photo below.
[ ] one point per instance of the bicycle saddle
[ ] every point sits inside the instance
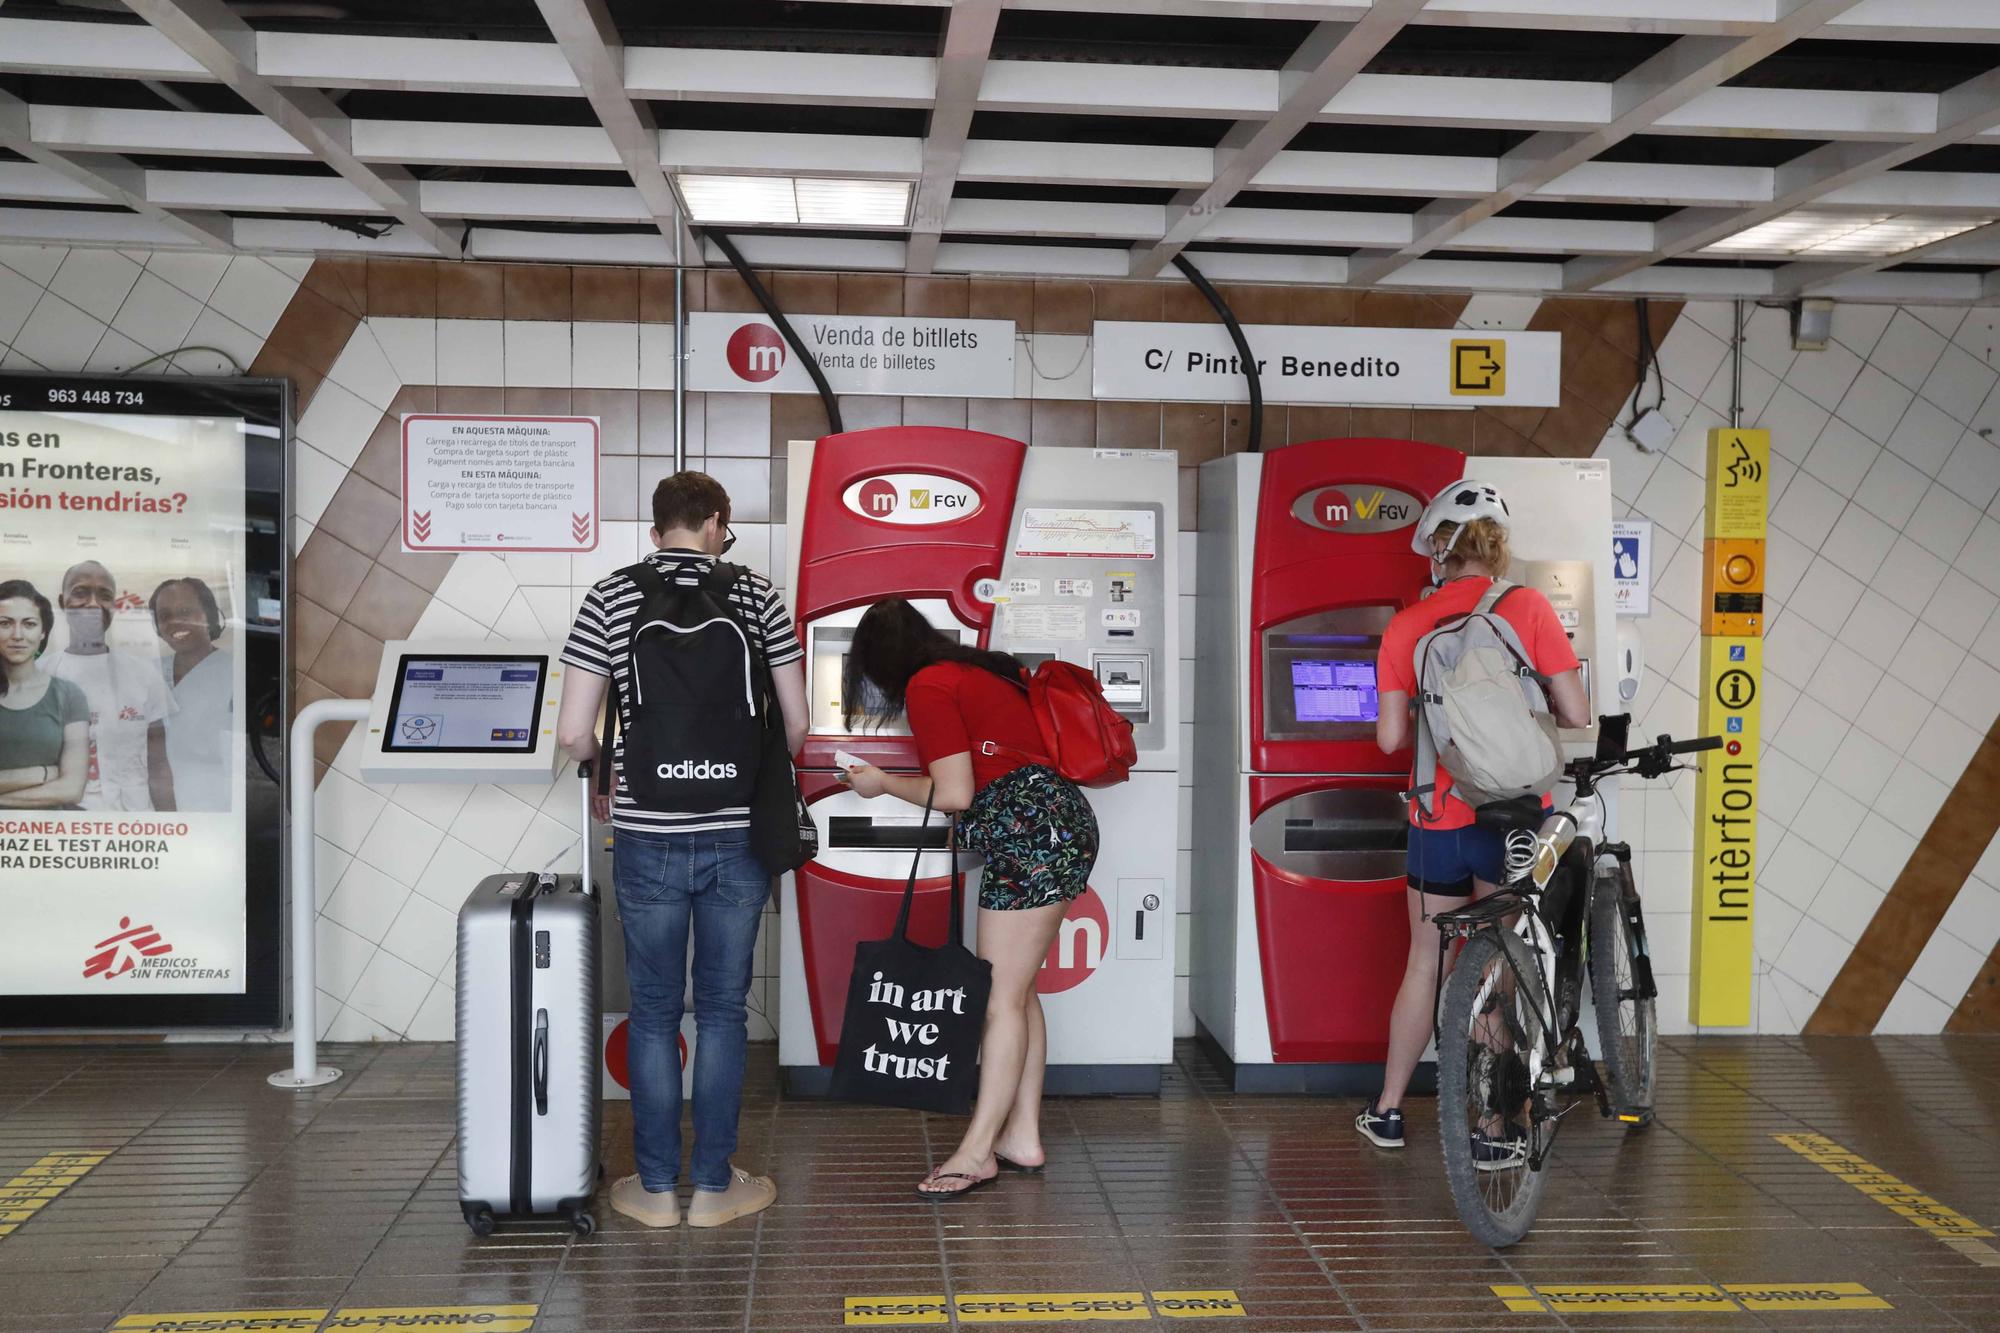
(1523, 812)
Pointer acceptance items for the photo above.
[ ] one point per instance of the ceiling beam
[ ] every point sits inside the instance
(589, 40)
(224, 45)
(1324, 63)
(110, 177)
(968, 42)
(1966, 110)
(1669, 80)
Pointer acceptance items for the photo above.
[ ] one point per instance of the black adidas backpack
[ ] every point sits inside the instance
(692, 739)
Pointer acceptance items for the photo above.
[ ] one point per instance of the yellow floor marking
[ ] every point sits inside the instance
(1805, 1296)
(221, 1321)
(1041, 1307)
(1030, 1308)
(1198, 1305)
(388, 1319)
(32, 1190)
(1703, 1297)
(1950, 1226)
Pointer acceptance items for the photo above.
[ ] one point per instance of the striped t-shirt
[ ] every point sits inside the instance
(601, 643)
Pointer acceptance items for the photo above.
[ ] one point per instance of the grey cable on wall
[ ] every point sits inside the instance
(1248, 362)
(799, 349)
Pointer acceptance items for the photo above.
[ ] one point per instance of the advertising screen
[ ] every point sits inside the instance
(466, 704)
(1332, 689)
(140, 595)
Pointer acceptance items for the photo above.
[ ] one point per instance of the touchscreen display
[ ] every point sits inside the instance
(1333, 689)
(466, 703)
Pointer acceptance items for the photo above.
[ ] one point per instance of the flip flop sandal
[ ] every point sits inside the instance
(1008, 1164)
(977, 1183)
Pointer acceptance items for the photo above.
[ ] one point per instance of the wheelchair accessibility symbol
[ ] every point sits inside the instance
(1734, 724)
(418, 730)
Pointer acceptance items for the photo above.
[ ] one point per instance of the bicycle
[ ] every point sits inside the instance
(1508, 1041)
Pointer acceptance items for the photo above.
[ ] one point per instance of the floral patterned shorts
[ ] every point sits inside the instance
(1038, 835)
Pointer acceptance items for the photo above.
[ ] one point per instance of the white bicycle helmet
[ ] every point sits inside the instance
(1460, 503)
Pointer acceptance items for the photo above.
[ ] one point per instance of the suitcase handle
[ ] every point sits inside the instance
(583, 770)
(541, 1062)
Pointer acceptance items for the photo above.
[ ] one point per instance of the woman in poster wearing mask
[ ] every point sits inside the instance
(201, 728)
(44, 722)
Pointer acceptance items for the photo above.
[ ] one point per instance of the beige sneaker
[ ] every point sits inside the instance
(746, 1194)
(640, 1204)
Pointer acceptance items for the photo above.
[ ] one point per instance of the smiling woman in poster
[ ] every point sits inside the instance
(188, 620)
(44, 722)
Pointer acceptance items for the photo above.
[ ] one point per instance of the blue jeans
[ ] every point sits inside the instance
(666, 883)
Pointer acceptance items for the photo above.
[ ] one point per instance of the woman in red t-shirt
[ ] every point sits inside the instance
(968, 711)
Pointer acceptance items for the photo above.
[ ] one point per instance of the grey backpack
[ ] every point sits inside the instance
(1483, 710)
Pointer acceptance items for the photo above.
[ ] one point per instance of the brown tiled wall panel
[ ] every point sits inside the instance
(1916, 903)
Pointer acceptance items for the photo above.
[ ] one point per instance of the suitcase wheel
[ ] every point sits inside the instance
(583, 1222)
(481, 1222)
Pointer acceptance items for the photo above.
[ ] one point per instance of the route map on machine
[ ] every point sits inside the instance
(1126, 533)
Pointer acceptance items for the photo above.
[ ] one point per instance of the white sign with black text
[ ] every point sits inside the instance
(499, 483)
(872, 354)
(1310, 364)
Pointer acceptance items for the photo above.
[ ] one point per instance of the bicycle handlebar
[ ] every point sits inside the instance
(1649, 761)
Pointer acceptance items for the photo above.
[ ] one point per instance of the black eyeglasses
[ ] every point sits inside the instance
(728, 539)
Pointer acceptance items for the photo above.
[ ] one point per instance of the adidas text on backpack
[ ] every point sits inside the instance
(1483, 711)
(692, 742)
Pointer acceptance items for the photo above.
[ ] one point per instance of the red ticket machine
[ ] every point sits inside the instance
(1066, 553)
(1300, 919)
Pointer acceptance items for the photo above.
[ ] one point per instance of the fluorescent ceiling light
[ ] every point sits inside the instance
(813, 201)
(1808, 234)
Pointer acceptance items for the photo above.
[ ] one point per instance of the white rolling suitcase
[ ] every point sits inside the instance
(529, 1085)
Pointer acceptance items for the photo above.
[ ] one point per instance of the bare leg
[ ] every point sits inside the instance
(1416, 999)
(1020, 1139)
(1015, 943)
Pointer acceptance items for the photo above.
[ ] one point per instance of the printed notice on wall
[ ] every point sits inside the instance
(499, 483)
(1632, 566)
(124, 608)
(1041, 622)
(1087, 532)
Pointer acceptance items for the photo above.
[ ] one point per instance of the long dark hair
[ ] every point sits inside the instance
(21, 588)
(894, 642)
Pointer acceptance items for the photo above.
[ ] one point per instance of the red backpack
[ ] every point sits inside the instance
(1084, 737)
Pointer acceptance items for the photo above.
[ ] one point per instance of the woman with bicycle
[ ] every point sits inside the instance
(1453, 860)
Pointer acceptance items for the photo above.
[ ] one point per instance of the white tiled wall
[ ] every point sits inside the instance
(1882, 656)
(109, 310)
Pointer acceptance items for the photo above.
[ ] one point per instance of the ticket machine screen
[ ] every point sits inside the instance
(466, 703)
(1332, 689)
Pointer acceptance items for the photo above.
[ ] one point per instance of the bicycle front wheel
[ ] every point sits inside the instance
(1627, 1023)
(1488, 1026)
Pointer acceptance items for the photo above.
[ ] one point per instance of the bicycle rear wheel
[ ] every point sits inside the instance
(1627, 1023)
(1487, 1025)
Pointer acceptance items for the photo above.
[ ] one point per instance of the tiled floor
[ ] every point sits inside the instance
(222, 1194)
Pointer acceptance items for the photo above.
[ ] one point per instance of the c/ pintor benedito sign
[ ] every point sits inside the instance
(1300, 363)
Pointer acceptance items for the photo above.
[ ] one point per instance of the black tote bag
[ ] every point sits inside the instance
(910, 1037)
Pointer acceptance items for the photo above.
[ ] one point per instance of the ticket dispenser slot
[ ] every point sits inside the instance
(871, 833)
(1345, 836)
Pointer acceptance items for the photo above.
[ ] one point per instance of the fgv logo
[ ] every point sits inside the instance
(121, 953)
(1079, 947)
(911, 499)
(756, 353)
(1349, 508)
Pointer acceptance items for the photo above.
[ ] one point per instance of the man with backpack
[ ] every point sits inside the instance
(1479, 674)
(700, 651)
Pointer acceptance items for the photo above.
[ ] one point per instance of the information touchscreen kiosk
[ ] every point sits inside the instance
(464, 711)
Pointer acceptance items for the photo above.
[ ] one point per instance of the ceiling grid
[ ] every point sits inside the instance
(1713, 148)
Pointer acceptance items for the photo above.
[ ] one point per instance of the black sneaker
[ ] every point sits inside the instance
(1499, 1154)
(1384, 1129)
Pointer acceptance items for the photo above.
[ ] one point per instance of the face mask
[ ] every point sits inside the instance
(86, 628)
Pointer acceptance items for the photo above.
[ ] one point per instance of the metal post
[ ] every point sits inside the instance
(306, 1070)
(1736, 364)
(680, 354)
